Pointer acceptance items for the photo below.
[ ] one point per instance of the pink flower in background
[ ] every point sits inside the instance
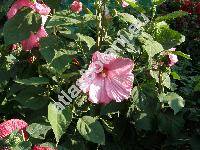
(124, 4)
(173, 59)
(30, 43)
(33, 40)
(17, 6)
(42, 148)
(41, 33)
(42, 9)
(7, 127)
(108, 78)
(76, 6)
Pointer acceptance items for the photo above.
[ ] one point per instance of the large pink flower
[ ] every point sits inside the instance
(108, 78)
(9, 126)
(173, 59)
(33, 40)
(76, 6)
(42, 9)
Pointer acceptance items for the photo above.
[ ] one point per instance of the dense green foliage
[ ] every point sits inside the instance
(163, 110)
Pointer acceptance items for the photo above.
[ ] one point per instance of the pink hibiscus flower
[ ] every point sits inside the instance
(36, 147)
(76, 6)
(7, 127)
(17, 6)
(108, 78)
(33, 40)
(173, 59)
(42, 9)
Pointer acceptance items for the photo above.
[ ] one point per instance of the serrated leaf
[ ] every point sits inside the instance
(91, 129)
(59, 120)
(33, 81)
(20, 26)
(37, 130)
(167, 37)
(175, 101)
(149, 45)
(88, 40)
(171, 16)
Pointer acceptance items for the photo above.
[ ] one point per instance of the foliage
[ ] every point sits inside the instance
(163, 109)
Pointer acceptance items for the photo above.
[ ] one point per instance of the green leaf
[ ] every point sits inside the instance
(32, 97)
(62, 19)
(166, 81)
(59, 120)
(144, 121)
(175, 75)
(37, 130)
(60, 62)
(170, 124)
(158, 2)
(91, 129)
(53, 51)
(171, 16)
(89, 40)
(135, 5)
(179, 53)
(167, 37)
(33, 81)
(20, 26)
(26, 145)
(175, 101)
(48, 47)
(149, 45)
(129, 18)
(197, 87)
(146, 4)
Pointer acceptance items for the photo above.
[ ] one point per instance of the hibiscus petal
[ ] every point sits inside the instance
(120, 66)
(41, 33)
(42, 9)
(17, 6)
(86, 80)
(119, 87)
(97, 92)
(102, 57)
(31, 42)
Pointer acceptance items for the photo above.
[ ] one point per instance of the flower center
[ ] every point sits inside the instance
(104, 72)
